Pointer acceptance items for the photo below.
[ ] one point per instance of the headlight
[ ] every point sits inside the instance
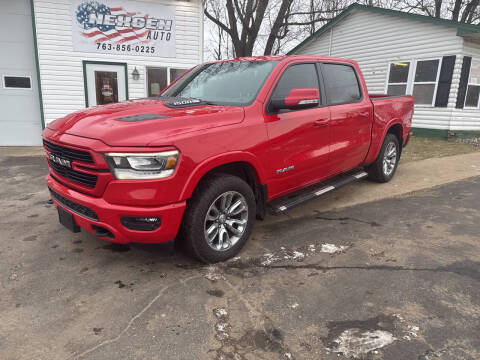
(142, 165)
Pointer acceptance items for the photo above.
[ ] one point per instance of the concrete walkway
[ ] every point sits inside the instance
(21, 151)
(410, 177)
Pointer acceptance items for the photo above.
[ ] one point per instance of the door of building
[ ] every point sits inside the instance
(106, 83)
(20, 120)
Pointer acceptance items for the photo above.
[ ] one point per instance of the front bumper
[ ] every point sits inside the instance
(109, 216)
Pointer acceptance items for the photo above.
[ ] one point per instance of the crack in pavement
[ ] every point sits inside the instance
(371, 223)
(132, 320)
(267, 338)
(466, 268)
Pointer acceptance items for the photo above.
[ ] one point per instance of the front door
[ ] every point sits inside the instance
(106, 83)
(299, 140)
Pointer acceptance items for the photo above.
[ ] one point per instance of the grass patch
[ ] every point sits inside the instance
(423, 147)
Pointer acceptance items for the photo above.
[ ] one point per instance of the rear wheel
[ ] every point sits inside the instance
(219, 218)
(384, 167)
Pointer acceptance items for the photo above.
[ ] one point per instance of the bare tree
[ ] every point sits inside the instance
(464, 11)
(244, 19)
(269, 27)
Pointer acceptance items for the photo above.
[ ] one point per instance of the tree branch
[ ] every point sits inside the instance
(216, 21)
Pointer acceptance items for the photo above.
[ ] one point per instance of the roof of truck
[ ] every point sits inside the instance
(288, 57)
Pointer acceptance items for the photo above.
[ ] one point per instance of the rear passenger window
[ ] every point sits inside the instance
(341, 84)
(299, 76)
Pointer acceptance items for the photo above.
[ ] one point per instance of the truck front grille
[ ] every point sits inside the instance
(84, 179)
(67, 153)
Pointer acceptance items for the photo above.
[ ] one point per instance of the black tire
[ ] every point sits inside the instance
(192, 233)
(376, 171)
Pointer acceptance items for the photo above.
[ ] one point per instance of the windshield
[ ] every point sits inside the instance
(224, 83)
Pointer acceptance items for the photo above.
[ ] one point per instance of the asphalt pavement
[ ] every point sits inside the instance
(394, 278)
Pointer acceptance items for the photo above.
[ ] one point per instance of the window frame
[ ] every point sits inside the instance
(169, 80)
(411, 78)
(147, 67)
(321, 89)
(327, 96)
(17, 88)
(407, 86)
(169, 77)
(476, 59)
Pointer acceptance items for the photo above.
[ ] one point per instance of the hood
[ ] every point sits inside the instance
(141, 122)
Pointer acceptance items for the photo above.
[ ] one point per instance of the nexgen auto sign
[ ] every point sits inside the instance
(130, 22)
(123, 27)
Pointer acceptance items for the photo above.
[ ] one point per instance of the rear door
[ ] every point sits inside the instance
(351, 113)
(298, 139)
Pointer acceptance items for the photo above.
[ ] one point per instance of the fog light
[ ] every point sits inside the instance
(141, 223)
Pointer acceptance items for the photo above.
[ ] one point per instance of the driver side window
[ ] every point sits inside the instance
(299, 76)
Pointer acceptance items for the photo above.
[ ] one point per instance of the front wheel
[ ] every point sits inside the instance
(219, 218)
(384, 167)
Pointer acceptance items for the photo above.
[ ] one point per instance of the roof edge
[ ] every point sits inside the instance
(462, 28)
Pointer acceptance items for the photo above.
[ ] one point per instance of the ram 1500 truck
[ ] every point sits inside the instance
(218, 148)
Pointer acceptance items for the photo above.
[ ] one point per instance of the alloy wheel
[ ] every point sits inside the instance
(226, 220)
(389, 159)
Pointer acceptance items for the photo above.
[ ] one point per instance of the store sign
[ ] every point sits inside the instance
(123, 27)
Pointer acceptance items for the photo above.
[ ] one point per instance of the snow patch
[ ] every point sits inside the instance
(269, 259)
(213, 274)
(220, 312)
(332, 248)
(297, 255)
(222, 326)
(354, 342)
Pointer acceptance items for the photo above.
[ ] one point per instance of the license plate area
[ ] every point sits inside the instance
(67, 220)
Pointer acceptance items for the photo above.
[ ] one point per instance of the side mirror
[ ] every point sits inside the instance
(297, 99)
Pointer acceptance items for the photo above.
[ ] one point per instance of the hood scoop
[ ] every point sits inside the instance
(142, 117)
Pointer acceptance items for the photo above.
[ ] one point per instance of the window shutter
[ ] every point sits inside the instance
(462, 87)
(445, 81)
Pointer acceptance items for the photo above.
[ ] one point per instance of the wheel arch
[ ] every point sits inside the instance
(230, 163)
(394, 127)
(243, 165)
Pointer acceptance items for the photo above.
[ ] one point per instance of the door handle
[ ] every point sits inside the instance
(364, 115)
(320, 123)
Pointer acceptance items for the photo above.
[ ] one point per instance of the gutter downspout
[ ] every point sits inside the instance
(37, 64)
(330, 43)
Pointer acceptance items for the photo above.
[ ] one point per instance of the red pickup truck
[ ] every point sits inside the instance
(219, 147)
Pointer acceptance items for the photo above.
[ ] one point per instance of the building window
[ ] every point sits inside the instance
(156, 81)
(473, 88)
(159, 78)
(418, 78)
(425, 82)
(398, 78)
(17, 82)
(176, 73)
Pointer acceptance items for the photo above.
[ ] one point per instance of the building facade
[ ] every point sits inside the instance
(59, 56)
(437, 61)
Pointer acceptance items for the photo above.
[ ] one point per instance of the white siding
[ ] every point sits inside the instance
(61, 71)
(373, 40)
(467, 119)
